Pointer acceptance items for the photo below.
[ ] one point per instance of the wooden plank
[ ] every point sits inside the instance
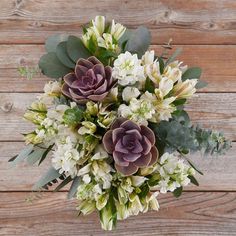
(212, 110)
(22, 177)
(204, 22)
(192, 214)
(218, 72)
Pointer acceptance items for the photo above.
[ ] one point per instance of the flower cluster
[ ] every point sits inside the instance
(112, 122)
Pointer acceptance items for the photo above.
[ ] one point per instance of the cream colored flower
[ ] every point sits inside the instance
(98, 25)
(185, 89)
(117, 30)
(129, 93)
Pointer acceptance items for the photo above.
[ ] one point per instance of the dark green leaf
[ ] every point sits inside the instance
(51, 66)
(76, 49)
(192, 73)
(139, 41)
(124, 39)
(144, 190)
(161, 65)
(73, 116)
(193, 166)
(193, 180)
(35, 156)
(63, 183)
(46, 153)
(63, 56)
(173, 56)
(179, 102)
(22, 155)
(73, 187)
(201, 84)
(48, 177)
(53, 40)
(149, 86)
(177, 193)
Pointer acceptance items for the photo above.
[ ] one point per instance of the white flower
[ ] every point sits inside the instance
(138, 180)
(106, 41)
(165, 86)
(185, 89)
(98, 25)
(87, 128)
(148, 57)
(127, 69)
(138, 110)
(117, 30)
(129, 93)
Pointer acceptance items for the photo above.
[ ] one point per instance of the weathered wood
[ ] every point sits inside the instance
(219, 172)
(218, 70)
(204, 22)
(213, 110)
(51, 214)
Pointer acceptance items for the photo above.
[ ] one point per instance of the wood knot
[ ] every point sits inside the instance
(7, 107)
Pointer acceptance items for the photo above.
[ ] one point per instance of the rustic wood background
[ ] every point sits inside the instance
(206, 29)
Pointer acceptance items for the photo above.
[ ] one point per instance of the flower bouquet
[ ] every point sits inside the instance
(113, 121)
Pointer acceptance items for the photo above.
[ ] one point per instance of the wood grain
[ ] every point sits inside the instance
(219, 171)
(213, 110)
(201, 22)
(218, 71)
(52, 214)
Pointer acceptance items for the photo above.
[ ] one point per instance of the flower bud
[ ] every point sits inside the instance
(101, 201)
(87, 128)
(92, 108)
(185, 89)
(117, 30)
(86, 207)
(98, 25)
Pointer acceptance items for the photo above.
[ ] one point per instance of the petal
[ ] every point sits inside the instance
(117, 134)
(108, 72)
(130, 125)
(65, 90)
(127, 170)
(146, 145)
(138, 147)
(102, 88)
(148, 133)
(94, 60)
(99, 70)
(144, 160)
(107, 142)
(119, 160)
(70, 78)
(85, 63)
(155, 155)
(117, 123)
(80, 71)
(97, 97)
(120, 148)
(76, 95)
(131, 157)
(135, 132)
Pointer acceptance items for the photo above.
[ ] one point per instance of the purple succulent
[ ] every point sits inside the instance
(90, 81)
(132, 146)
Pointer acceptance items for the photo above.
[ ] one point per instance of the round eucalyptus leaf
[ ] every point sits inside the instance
(76, 49)
(63, 56)
(53, 40)
(52, 67)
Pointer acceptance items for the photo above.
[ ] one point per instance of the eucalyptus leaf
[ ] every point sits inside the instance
(193, 180)
(35, 156)
(173, 56)
(53, 40)
(193, 166)
(76, 49)
(51, 66)
(49, 176)
(177, 193)
(192, 73)
(201, 84)
(73, 187)
(63, 183)
(63, 56)
(124, 39)
(46, 153)
(22, 155)
(139, 41)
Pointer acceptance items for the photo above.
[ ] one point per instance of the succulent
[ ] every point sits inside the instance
(90, 81)
(131, 145)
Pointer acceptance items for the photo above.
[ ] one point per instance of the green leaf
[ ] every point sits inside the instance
(161, 65)
(51, 66)
(76, 49)
(35, 156)
(22, 155)
(46, 153)
(193, 166)
(63, 56)
(73, 116)
(193, 180)
(173, 56)
(201, 84)
(144, 190)
(192, 73)
(149, 86)
(73, 188)
(49, 176)
(124, 39)
(63, 183)
(53, 40)
(139, 41)
(179, 102)
(177, 193)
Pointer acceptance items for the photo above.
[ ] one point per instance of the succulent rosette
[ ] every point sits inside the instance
(91, 80)
(132, 146)
(113, 120)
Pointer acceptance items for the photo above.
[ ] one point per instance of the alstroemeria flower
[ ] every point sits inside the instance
(90, 81)
(131, 145)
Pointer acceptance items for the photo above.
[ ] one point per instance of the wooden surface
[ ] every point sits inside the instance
(206, 29)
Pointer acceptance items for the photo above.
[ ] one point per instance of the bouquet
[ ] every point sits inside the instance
(112, 122)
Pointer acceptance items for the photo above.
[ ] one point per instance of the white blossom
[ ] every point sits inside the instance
(130, 92)
(185, 89)
(127, 69)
